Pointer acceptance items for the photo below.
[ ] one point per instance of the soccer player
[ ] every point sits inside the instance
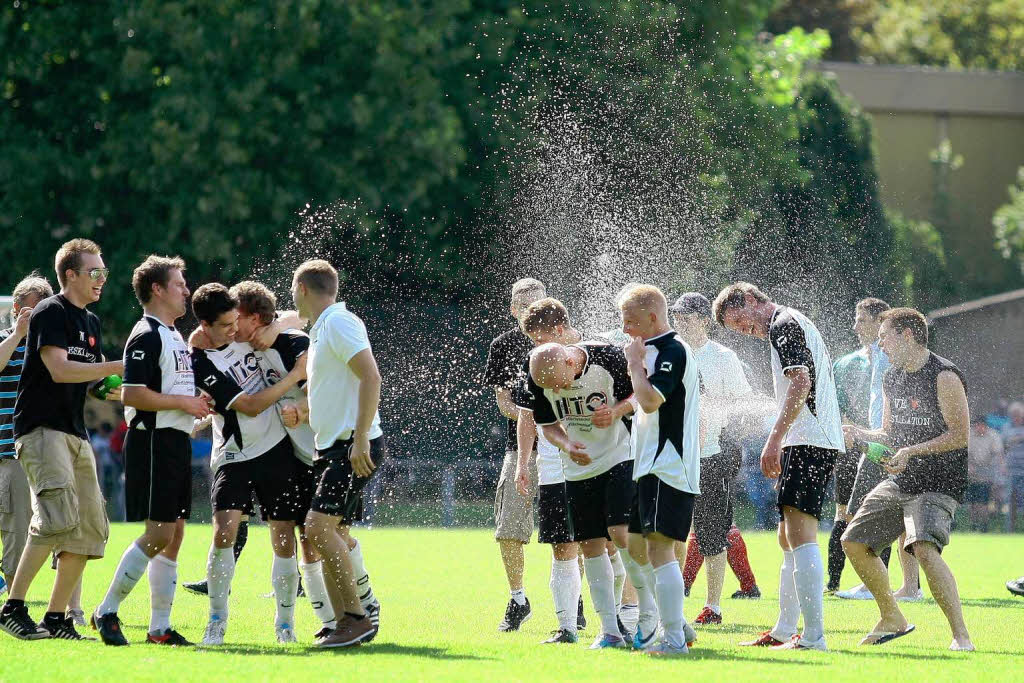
(251, 454)
(161, 404)
(665, 441)
(15, 516)
(721, 380)
(577, 395)
(800, 452)
(926, 421)
(344, 395)
(63, 357)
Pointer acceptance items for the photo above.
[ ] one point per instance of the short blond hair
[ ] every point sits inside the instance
(527, 290)
(734, 297)
(33, 283)
(646, 298)
(318, 276)
(69, 256)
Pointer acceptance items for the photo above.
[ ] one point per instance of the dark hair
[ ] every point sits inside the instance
(155, 270)
(735, 296)
(318, 276)
(872, 306)
(69, 256)
(211, 301)
(908, 319)
(544, 315)
(255, 297)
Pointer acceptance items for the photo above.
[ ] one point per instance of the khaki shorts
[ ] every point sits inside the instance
(68, 511)
(15, 512)
(886, 513)
(513, 513)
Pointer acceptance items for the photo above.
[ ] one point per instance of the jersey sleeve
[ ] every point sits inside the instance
(51, 326)
(501, 370)
(543, 412)
(521, 394)
(668, 370)
(217, 384)
(347, 336)
(290, 345)
(618, 368)
(142, 360)
(790, 343)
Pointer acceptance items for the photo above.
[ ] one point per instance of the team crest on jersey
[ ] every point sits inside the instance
(92, 340)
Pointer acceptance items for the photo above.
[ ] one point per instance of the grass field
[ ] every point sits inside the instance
(442, 593)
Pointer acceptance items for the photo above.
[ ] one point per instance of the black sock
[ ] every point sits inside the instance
(836, 556)
(885, 555)
(53, 616)
(13, 604)
(240, 538)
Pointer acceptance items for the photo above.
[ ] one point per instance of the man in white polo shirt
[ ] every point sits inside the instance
(344, 393)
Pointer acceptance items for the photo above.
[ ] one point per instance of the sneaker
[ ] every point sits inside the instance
(606, 640)
(76, 616)
(562, 635)
(64, 629)
(198, 587)
(19, 624)
(646, 631)
(214, 633)
(829, 591)
(168, 637)
(630, 615)
(285, 634)
(686, 591)
(798, 643)
(663, 648)
(349, 633)
(689, 633)
(626, 634)
(109, 627)
(373, 611)
(752, 594)
(765, 639)
(708, 616)
(860, 592)
(515, 615)
(322, 633)
(1016, 587)
(581, 620)
(916, 597)
(3, 585)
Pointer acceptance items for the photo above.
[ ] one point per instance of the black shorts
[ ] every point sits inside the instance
(658, 507)
(600, 502)
(804, 478)
(553, 514)
(305, 478)
(339, 491)
(846, 474)
(157, 475)
(712, 511)
(272, 477)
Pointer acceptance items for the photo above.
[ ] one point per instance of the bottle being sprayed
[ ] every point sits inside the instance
(878, 453)
(105, 386)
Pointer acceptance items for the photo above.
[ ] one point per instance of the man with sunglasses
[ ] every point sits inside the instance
(63, 357)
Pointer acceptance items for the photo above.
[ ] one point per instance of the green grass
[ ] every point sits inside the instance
(443, 594)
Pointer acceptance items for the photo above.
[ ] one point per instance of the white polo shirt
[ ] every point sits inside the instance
(336, 336)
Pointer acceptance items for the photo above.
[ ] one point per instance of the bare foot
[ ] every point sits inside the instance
(890, 626)
(962, 645)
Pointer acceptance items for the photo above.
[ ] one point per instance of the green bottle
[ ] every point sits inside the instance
(108, 384)
(877, 452)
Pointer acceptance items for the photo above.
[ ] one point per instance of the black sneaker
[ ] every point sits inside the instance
(752, 594)
(1016, 587)
(19, 624)
(199, 587)
(322, 633)
(515, 615)
(373, 612)
(168, 637)
(109, 627)
(581, 621)
(686, 591)
(63, 629)
(561, 636)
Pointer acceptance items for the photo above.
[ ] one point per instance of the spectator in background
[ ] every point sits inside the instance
(985, 473)
(1013, 442)
(111, 473)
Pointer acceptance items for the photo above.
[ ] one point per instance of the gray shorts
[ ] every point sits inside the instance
(887, 512)
(869, 475)
(15, 513)
(513, 513)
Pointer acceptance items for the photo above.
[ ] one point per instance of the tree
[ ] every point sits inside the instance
(1009, 223)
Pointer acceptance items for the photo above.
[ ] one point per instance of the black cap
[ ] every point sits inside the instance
(692, 302)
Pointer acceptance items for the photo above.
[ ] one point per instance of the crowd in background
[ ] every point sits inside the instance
(996, 467)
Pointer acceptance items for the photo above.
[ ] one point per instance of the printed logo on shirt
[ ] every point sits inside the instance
(666, 366)
(138, 354)
(81, 336)
(570, 406)
(182, 360)
(92, 340)
(211, 380)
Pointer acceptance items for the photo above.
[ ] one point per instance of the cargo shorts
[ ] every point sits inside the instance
(887, 512)
(513, 513)
(15, 511)
(68, 510)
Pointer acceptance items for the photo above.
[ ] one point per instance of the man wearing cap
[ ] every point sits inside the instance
(722, 381)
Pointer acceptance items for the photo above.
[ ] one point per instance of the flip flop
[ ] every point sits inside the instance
(882, 637)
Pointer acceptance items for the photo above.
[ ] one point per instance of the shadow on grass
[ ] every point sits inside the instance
(754, 630)
(1015, 603)
(380, 649)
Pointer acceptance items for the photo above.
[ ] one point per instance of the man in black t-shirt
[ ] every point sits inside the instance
(926, 421)
(63, 358)
(513, 513)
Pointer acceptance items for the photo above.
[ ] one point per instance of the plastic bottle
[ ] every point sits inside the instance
(109, 383)
(877, 452)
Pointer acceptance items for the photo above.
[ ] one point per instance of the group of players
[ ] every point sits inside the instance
(295, 425)
(621, 443)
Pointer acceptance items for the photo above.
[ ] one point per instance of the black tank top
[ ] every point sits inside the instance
(916, 418)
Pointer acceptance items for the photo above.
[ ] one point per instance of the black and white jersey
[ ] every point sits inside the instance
(156, 357)
(666, 443)
(796, 343)
(278, 361)
(604, 381)
(225, 374)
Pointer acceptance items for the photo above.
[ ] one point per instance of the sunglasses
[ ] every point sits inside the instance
(96, 273)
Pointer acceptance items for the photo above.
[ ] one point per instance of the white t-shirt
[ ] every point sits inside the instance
(721, 379)
(336, 336)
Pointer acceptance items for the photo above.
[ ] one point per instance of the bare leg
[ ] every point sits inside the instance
(716, 577)
(942, 584)
(876, 577)
(911, 580)
(32, 560)
(75, 601)
(323, 532)
(170, 551)
(69, 574)
(512, 557)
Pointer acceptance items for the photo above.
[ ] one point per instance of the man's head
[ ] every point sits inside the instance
(902, 334)
(524, 293)
(979, 426)
(553, 366)
(160, 280)
(866, 319)
(1016, 413)
(691, 316)
(742, 307)
(257, 306)
(314, 283)
(29, 292)
(644, 311)
(80, 269)
(545, 321)
(217, 311)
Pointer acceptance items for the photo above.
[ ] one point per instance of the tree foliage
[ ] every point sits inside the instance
(1009, 223)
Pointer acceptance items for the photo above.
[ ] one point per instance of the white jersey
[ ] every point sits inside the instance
(156, 357)
(721, 379)
(278, 361)
(796, 343)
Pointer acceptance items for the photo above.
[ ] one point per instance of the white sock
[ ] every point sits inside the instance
(716, 579)
(129, 570)
(284, 576)
(810, 584)
(316, 590)
(669, 589)
(519, 596)
(619, 572)
(789, 603)
(643, 580)
(602, 591)
(565, 592)
(220, 569)
(163, 579)
(359, 573)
